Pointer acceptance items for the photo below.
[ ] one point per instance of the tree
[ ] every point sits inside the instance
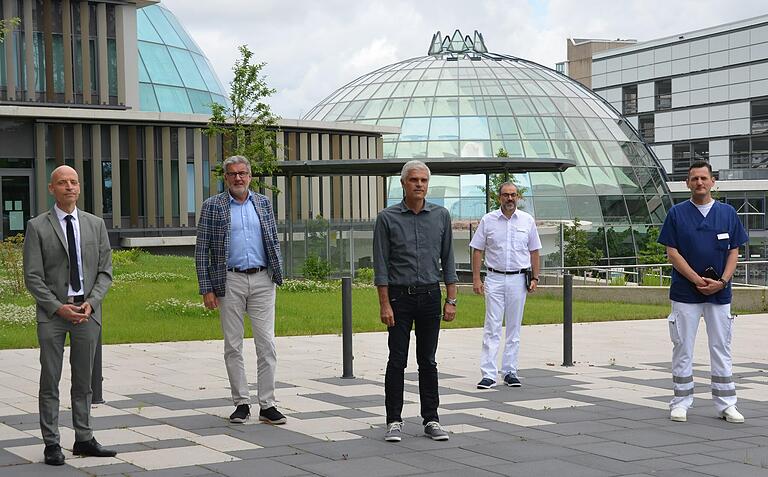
(7, 25)
(247, 123)
(495, 181)
(652, 251)
(577, 251)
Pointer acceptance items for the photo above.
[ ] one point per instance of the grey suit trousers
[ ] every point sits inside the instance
(83, 341)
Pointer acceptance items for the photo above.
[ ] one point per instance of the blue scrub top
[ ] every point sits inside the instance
(703, 242)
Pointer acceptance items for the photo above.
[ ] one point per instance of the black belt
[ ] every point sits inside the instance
(416, 289)
(247, 271)
(511, 272)
(76, 300)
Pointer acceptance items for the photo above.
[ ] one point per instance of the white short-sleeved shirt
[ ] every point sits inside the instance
(507, 242)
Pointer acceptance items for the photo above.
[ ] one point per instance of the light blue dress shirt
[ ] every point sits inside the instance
(246, 246)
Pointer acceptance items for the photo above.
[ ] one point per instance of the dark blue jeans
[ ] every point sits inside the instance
(422, 310)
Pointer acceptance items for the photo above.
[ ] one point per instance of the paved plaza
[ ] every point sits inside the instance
(168, 403)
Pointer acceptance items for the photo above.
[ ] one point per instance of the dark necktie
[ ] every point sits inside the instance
(74, 269)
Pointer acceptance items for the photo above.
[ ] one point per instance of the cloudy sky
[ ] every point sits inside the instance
(313, 47)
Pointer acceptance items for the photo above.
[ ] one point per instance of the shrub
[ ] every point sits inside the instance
(315, 286)
(316, 268)
(364, 275)
(126, 256)
(16, 315)
(12, 262)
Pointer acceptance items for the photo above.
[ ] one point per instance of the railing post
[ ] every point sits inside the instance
(568, 320)
(97, 376)
(346, 326)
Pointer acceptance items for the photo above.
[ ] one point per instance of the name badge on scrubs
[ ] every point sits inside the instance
(723, 236)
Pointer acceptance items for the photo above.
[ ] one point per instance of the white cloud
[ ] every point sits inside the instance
(312, 48)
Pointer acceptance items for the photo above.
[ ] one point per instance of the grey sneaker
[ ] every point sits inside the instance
(512, 381)
(434, 430)
(394, 432)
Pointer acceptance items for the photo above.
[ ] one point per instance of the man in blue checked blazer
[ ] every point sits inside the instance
(237, 258)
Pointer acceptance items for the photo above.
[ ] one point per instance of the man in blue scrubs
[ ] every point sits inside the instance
(702, 237)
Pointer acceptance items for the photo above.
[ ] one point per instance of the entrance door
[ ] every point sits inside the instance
(15, 201)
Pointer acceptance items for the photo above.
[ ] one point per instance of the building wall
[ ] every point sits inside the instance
(580, 54)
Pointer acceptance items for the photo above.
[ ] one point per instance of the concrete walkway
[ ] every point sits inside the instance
(167, 405)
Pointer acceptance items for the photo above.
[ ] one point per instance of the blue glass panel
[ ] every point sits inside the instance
(188, 42)
(144, 28)
(147, 99)
(207, 71)
(414, 129)
(219, 99)
(443, 149)
(200, 100)
(172, 99)
(159, 64)
(187, 68)
(163, 27)
(476, 149)
(408, 150)
(444, 128)
(474, 127)
(143, 75)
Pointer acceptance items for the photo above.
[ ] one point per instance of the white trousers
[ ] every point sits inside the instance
(253, 294)
(504, 302)
(683, 325)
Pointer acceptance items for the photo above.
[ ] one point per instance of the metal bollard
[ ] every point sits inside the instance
(567, 319)
(96, 376)
(346, 326)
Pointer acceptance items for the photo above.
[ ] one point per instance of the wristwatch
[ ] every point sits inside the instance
(535, 278)
(725, 284)
(450, 301)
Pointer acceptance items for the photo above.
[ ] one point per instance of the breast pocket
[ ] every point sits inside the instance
(723, 242)
(520, 239)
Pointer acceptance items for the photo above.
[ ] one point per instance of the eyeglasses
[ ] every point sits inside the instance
(241, 174)
(510, 194)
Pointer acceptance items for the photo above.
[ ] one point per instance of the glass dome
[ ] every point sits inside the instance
(174, 74)
(462, 101)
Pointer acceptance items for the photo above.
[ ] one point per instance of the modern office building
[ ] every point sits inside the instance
(128, 113)
(701, 95)
(580, 52)
(462, 101)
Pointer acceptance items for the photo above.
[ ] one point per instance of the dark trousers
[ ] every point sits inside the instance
(423, 311)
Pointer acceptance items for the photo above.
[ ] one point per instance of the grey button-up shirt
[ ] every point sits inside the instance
(409, 248)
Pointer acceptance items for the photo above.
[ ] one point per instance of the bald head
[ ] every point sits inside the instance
(65, 187)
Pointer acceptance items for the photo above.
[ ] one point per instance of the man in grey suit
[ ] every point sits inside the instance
(68, 270)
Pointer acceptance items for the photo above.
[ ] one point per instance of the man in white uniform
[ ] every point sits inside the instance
(511, 244)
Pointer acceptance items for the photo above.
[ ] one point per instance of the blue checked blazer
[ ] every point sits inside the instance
(213, 236)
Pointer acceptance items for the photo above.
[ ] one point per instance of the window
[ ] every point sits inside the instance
(759, 116)
(629, 99)
(663, 94)
(646, 125)
(686, 153)
(749, 153)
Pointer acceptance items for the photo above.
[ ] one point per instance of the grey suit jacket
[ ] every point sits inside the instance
(46, 262)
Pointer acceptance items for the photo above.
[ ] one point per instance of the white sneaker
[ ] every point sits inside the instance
(678, 414)
(732, 415)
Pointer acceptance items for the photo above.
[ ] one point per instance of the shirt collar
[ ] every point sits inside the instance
(428, 206)
(500, 215)
(232, 200)
(60, 214)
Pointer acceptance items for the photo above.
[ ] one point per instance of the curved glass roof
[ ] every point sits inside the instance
(174, 74)
(462, 101)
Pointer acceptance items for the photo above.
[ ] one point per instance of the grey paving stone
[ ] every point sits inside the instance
(300, 459)
(733, 469)
(695, 448)
(368, 466)
(426, 461)
(117, 422)
(196, 404)
(647, 437)
(469, 457)
(572, 441)
(38, 469)
(606, 464)
(523, 451)
(352, 449)
(189, 471)
(422, 443)
(350, 413)
(731, 444)
(357, 381)
(574, 428)
(8, 459)
(113, 469)
(305, 415)
(168, 443)
(465, 472)
(154, 399)
(344, 400)
(628, 423)
(265, 452)
(678, 473)
(547, 468)
(249, 468)
(751, 455)
(414, 376)
(711, 431)
(663, 463)
(29, 441)
(547, 381)
(624, 452)
(191, 423)
(266, 435)
(699, 459)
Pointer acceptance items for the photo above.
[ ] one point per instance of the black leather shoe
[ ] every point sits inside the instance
(53, 455)
(92, 448)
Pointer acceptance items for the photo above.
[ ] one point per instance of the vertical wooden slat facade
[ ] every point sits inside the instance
(182, 160)
(133, 175)
(114, 153)
(150, 166)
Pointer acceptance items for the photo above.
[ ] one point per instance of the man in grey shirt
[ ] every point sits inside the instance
(411, 241)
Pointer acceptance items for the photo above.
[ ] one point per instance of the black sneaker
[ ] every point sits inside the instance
(271, 416)
(512, 381)
(486, 383)
(241, 414)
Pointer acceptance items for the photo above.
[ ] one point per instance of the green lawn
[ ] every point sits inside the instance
(129, 316)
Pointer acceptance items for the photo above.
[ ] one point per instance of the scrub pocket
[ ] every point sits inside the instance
(674, 333)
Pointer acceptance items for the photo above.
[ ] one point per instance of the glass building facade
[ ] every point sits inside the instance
(174, 74)
(462, 101)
